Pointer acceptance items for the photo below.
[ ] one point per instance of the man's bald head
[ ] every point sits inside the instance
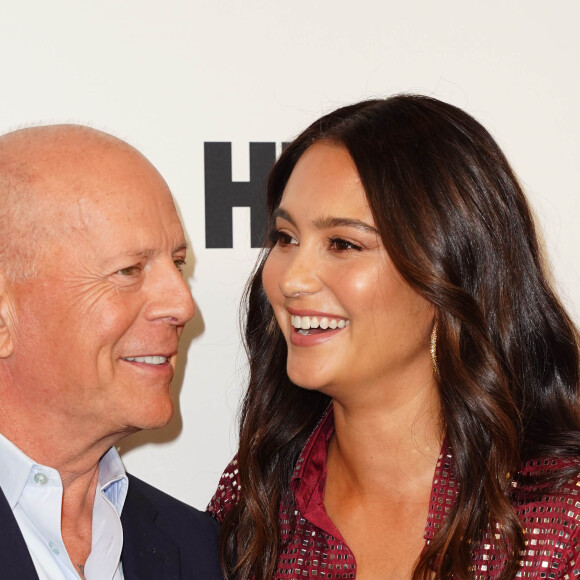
(42, 177)
(94, 302)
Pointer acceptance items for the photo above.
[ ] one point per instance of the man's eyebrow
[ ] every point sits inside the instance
(137, 253)
(148, 252)
(329, 222)
(181, 247)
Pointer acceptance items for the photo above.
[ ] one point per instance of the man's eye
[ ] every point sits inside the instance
(341, 245)
(129, 271)
(179, 264)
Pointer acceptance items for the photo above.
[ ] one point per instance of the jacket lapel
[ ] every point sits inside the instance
(15, 560)
(148, 552)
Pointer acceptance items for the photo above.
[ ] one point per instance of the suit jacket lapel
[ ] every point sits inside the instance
(148, 552)
(15, 560)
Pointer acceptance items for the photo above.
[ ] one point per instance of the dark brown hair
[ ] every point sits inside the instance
(456, 224)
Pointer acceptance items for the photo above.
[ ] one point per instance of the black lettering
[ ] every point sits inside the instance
(222, 194)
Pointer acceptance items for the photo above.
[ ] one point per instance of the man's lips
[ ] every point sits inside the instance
(152, 359)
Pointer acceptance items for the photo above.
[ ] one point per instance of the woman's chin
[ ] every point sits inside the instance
(309, 382)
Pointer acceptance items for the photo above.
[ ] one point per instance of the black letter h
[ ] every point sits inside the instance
(222, 194)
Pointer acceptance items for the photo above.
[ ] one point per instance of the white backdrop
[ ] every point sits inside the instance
(168, 75)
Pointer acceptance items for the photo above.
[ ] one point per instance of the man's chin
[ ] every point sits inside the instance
(155, 415)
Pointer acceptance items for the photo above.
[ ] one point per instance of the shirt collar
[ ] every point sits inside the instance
(309, 480)
(311, 464)
(113, 481)
(16, 468)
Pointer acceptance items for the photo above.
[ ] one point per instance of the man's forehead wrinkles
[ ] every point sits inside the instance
(84, 212)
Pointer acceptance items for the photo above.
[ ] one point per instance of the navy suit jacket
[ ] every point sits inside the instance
(163, 539)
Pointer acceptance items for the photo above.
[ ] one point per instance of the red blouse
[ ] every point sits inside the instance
(312, 546)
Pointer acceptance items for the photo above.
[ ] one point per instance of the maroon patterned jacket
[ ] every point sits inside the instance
(312, 547)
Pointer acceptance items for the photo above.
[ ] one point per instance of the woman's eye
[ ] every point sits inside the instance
(281, 238)
(341, 245)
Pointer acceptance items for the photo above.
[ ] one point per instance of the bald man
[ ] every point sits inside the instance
(92, 306)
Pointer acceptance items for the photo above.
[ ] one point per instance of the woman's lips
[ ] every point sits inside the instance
(321, 322)
(310, 330)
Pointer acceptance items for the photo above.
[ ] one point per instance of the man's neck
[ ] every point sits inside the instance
(77, 462)
(74, 450)
(77, 515)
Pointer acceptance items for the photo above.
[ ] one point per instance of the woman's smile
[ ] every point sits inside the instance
(346, 313)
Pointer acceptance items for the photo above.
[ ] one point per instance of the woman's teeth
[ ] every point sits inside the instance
(305, 323)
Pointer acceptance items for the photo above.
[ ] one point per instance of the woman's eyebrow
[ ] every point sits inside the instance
(333, 222)
(328, 222)
(280, 212)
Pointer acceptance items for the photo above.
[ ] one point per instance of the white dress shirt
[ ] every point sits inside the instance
(34, 493)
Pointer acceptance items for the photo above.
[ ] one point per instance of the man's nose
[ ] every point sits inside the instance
(172, 298)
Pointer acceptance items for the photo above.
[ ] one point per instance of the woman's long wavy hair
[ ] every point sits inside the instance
(456, 224)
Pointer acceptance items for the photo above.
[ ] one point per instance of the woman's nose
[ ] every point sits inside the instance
(300, 275)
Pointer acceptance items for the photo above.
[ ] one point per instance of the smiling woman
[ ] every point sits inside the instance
(329, 264)
(412, 409)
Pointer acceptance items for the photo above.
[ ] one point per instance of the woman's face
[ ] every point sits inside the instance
(348, 317)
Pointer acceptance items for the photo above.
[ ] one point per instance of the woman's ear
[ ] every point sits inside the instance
(7, 319)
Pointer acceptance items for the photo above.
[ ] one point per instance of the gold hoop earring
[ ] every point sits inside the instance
(434, 348)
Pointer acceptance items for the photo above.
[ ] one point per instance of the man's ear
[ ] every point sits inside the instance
(7, 326)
